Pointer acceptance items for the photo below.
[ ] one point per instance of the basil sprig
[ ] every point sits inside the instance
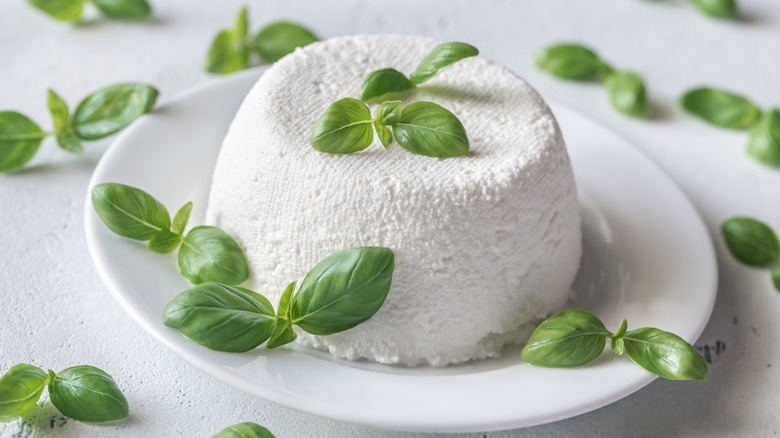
(381, 83)
(244, 430)
(231, 49)
(575, 337)
(100, 114)
(83, 392)
(576, 62)
(753, 243)
(71, 10)
(343, 290)
(205, 253)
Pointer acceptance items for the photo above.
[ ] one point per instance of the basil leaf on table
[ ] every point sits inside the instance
(124, 9)
(627, 92)
(752, 242)
(210, 254)
(441, 57)
(244, 430)
(20, 139)
(221, 317)
(343, 290)
(382, 82)
(776, 277)
(568, 339)
(277, 39)
(164, 241)
(764, 142)
(179, 223)
(665, 354)
(717, 8)
(570, 61)
(720, 108)
(426, 128)
(20, 390)
(111, 108)
(128, 211)
(86, 393)
(344, 127)
(63, 10)
(66, 137)
(228, 52)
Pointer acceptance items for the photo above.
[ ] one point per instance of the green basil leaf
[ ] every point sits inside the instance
(86, 393)
(210, 254)
(111, 108)
(343, 290)
(764, 143)
(720, 108)
(665, 354)
(383, 82)
(244, 430)
(20, 389)
(384, 134)
(751, 242)
(59, 111)
(181, 218)
(20, 139)
(389, 113)
(164, 242)
(277, 39)
(282, 334)
(124, 9)
(718, 8)
(441, 57)
(568, 339)
(69, 141)
(617, 338)
(776, 277)
(229, 51)
(570, 61)
(221, 317)
(128, 211)
(64, 10)
(426, 128)
(343, 128)
(283, 310)
(627, 92)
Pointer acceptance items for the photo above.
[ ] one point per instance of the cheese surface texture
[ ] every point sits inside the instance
(486, 244)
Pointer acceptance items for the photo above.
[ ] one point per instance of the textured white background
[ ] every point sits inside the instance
(55, 312)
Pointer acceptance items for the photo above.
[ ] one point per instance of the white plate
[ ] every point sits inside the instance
(647, 257)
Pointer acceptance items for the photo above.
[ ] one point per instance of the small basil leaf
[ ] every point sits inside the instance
(343, 290)
(282, 334)
(276, 40)
(111, 108)
(718, 8)
(343, 128)
(617, 337)
(751, 242)
(59, 111)
(627, 92)
(244, 430)
(124, 9)
(389, 113)
(229, 52)
(20, 139)
(665, 354)
(441, 57)
(128, 211)
(283, 310)
(164, 242)
(221, 317)
(69, 141)
(86, 393)
(570, 61)
(20, 389)
(568, 339)
(720, 108)
(64, 10)
(181, 218)
(764, 143)
(384, 134)
(426, 128)
(776, 276)
(382, 82)
(210, 254)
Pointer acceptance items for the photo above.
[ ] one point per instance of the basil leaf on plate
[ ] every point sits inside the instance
(720, 108)
(124, 9)
(164, 242)
(228, 52)
(129, 212)
(20, 139)
(379, 83)
(210, 254)
(627, 92)
(343, 128)
(111, 108)
(86, 393)
(764, 143)
(277, 39)
(244, 430)
(665, 354)
(752, 242)
(570, 61)
(426, 128)
(20, 389)
(182, 217)
(718, 8)
(568, 339)
(389, 113)
(441, 57)
(63, 10)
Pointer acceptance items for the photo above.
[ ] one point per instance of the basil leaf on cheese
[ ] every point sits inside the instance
(344, 127)
(426, 128)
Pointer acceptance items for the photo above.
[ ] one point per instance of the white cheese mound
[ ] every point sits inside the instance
(486, 244)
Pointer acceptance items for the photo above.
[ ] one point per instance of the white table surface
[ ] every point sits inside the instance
(55, 312)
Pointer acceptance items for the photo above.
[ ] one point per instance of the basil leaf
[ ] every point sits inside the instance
(282, 334)
(764, 143)
(69, 141)
(66, 137)
(283, 310)
(128, 211)
(181, 218)
(244, 430)
(343, 290)
(570, 61)
(64, 10)
(665, 354)
(441, 57)
(776, 277)
(627, 92)
(20, 389)
(277, 39)
(751, 242)
(221, 317)
(617, 338)
(164, 242)
(124, 9)
(229, 52)
(20, 139)
(384, 134)
(426, 128)
(718, 8)
(86, 393)
(568, 339)
(720, 108)
(210, 254)
(382, 82)
(389, 113)
(343, 128)
(111, 108)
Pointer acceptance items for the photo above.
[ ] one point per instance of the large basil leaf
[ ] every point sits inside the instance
(66, 137)
(110, 109)
(570, 61)
(210, 254)
(382, 82)
(276, 40)
(229, 52)
(221, 317)
(627, 92)
(441, 57)
(343, 128)
(343, 290)
(665, 354)
(86, 393)
(20, 139)
(718, 8)
(64, 10)
(751, 242)
(568, 339)
(124, 9)
(128, 211)
(20, 389)
(244, 430)
(764, 143)
(426, 128)
(720, 108)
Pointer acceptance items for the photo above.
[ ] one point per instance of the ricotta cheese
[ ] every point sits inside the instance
(486, 244)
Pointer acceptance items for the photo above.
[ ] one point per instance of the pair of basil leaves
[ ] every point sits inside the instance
(753, 243)
(100, 114)
(83, 392)
(71, 10)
